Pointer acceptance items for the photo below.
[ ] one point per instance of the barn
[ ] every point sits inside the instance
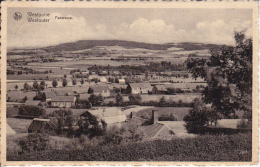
(138, 88)
(41, 125)
(63, 101)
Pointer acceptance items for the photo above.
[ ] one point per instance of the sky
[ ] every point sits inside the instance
(215, 26)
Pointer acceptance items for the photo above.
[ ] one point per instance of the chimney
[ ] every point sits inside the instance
(154, 116)
(132, 115)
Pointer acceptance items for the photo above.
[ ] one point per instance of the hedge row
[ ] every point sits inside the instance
(236, 147)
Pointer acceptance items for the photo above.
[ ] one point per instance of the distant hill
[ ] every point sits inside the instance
(87, 44)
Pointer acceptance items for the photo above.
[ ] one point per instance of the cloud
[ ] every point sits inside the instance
(219, 31)
(24, 34)
(154, 31)
(54, 32)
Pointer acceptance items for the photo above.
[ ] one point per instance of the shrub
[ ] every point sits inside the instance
(34, 142)
(30, 110)
(165, 117)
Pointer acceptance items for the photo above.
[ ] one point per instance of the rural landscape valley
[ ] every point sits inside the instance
(130, 86)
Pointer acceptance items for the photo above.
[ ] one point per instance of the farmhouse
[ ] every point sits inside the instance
(121, 81)
(63, 101)
(157, 130)
(103, 90)
(138, 88)
(103, 79)
(41, 125)
(159, 89)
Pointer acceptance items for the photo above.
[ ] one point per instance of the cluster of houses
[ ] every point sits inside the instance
(151, 127)
(66, 97)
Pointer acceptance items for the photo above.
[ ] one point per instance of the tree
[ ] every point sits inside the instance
(146, 74)
(96, 100)
(162, 102)
(64, 82)
(62, 118)
(42, 85)
(229, 77)
(119, 99)
(197, 116)
(25, 99)
(26, 86)
(82, 81)
(135, 99)
(54, 83)
(30, 110)
(36, 85)
(116, 80)
(90, 90)
(43, 96)
(34, 142)
(74, 82)
(16, 87)
(100, 99)
(91, 126)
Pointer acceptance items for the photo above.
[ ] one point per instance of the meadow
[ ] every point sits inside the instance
(19, 125)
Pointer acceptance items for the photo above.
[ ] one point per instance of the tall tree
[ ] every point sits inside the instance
(119, 99)
(26, 86)
(64, 82)
(54, 83)
(74, 82)
(42, 85)
(35, 85)
(229, 77)
(82, 81)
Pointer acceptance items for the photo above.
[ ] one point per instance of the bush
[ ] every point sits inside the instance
(170, 117)
(34, 142)
(30, 110)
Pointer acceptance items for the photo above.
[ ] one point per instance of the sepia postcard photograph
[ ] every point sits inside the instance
(129, 83)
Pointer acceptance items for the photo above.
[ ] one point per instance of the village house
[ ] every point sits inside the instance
(159, 89)
(41, 125)
(103, 79)
(138, 88)
(121, 81)
(103, 90)
(63, 101)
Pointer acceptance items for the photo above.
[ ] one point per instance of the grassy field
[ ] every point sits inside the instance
(236, 147)
(179, 111)
(19, 125)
